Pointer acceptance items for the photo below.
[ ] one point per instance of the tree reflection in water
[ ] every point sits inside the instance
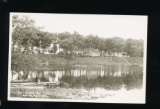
(109, 83)
(111, 77)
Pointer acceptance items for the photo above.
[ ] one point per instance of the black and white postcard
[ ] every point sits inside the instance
(93, 58)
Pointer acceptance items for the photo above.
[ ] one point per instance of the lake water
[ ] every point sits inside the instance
(111, 77)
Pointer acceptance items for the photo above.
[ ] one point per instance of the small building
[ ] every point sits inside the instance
(109, 54)
(46, 51)
(78, 52)
(50, 49)
(58, 50)
(117, 54)
(92, 52)
(125, 54)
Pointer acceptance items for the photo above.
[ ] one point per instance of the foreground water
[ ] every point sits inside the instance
(110, 76)
(84, 82)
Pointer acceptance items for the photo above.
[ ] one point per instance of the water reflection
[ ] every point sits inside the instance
(109, 76)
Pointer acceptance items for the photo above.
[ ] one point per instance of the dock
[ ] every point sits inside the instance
(47, 84)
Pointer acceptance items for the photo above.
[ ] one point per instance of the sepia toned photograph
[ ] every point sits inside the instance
(94, 58)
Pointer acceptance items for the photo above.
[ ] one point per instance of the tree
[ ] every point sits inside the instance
(46, 40)
(66, 41)
(28, 38)
(24, 32)
(37, 42)
(78, 42)
(64, 35)
(54, 48)
(67, 44)
(118, 44)
(115, 44)
(134, 47)
(109, 45)
(91, 41)
(141, 43)
(101, 45)
(16, 28)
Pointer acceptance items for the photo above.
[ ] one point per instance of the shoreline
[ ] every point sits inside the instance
(79, 94)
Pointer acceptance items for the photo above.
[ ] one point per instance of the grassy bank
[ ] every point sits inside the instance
(135, 60)
(91, 60)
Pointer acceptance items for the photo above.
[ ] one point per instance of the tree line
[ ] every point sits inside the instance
(27, 35)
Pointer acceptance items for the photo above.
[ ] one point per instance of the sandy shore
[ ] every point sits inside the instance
(96, 95)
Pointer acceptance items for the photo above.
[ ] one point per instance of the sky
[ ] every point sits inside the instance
(125, 26)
